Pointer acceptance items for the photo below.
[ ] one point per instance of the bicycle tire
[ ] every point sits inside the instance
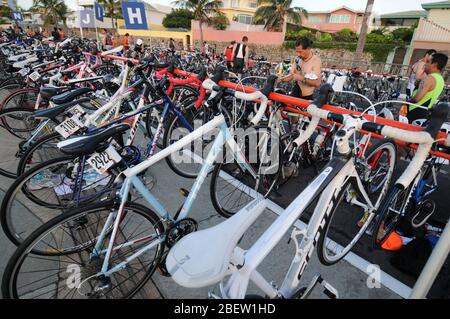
(10, 276)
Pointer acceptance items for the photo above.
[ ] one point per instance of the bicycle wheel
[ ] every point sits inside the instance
(46, 191)
(233, 187)
(395, 206)
(348, 221)
(44, 149)
(184, 97)
(16, 125)
(68, 269)
(25, 98)
(188, 161)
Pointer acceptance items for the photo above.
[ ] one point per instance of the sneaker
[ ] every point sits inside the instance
(424, 212)
(44, 179)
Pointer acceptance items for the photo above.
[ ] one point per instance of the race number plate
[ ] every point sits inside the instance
(24, 71)
(35, 76)
(101, 162)
(77, 110)
(69, 126)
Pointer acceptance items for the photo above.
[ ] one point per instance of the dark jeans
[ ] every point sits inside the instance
(238, 66)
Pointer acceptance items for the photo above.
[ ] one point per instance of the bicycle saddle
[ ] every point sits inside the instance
(69, 96)
(52, 113)
(88, 144)
(201, 258)
(48, 92)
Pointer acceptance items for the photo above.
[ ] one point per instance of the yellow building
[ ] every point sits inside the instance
(239, 10)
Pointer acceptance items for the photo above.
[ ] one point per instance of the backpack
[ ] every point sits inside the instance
(108, 40)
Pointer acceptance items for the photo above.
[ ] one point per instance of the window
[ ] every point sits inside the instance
(253, 4)
(337, 18)
(315, 19)
(359, 19)
(243, 18)
(235, 3)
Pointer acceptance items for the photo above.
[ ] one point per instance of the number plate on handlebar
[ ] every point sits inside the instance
(101, 162)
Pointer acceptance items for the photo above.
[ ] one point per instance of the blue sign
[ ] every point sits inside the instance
(17, 16)
(86, 18)
(134, 15)
(99, 12)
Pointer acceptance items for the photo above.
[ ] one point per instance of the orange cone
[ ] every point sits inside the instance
(393, 242)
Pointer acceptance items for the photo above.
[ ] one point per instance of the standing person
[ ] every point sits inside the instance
(229, 54)
(429, 91)
(55, 34)
(61, 34)
(125, 43)
(240, 56)
(180, 45)
(37, 32)
(417, 72)
(115, 39)
(29, 31)
(305, 70)
(172, 45)
(206, 48)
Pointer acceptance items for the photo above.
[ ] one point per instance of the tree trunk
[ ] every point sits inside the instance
(363, 33)
(200, 24)
(284, 26)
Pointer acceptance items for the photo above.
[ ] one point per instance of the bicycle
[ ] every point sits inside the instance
(203, 258)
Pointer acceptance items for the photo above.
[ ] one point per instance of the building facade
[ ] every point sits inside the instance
(241, 11)
(438, 12)
(396, 20)
(334, 20)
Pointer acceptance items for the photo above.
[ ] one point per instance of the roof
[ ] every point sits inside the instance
(436, 5)
(405, 14)
(340, 8)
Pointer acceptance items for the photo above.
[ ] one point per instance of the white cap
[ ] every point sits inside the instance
(139, 41)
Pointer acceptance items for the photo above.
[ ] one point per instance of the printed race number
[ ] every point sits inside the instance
(69, 126)
(24, 71)
(101, 162)
(34, 76)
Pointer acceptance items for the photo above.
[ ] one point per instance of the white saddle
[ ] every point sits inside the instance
(202, 258)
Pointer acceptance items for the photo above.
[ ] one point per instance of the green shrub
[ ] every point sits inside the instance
(403, 34)
(345, 35)
(326, 37)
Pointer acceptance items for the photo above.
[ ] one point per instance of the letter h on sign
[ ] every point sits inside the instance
(134, 15)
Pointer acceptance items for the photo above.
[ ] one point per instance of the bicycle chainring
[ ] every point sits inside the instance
(179, 230)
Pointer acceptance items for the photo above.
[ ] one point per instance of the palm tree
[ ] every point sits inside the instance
(203, 11)
(363, 33)
(276, 13)
(112, 9)
(52, 10)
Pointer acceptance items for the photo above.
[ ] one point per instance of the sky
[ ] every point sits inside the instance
(381, 6)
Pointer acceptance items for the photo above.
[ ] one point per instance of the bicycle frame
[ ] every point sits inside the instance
(131, 180)
(328, 185)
